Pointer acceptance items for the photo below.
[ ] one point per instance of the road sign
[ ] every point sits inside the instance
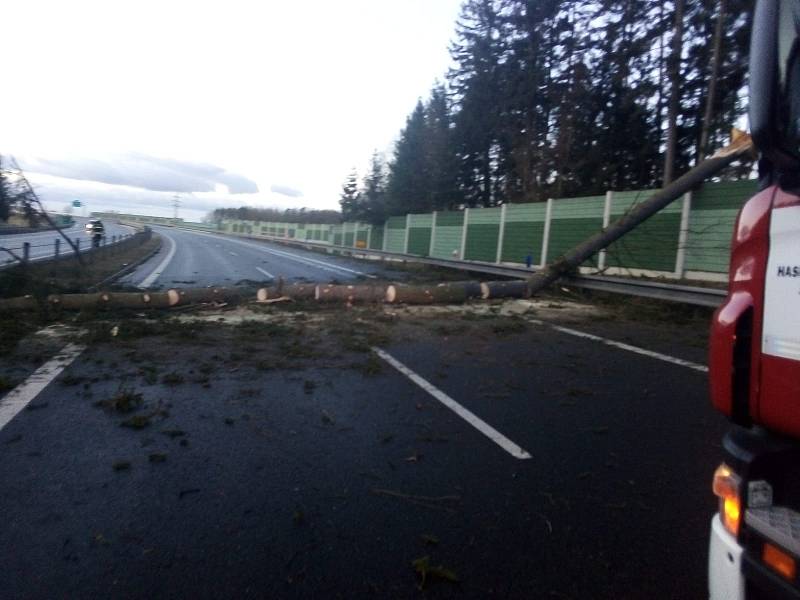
(76, 203)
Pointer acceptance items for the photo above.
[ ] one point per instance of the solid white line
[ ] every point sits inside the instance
(150, 279)
(20, 396)
(498, 438)
(270, 275)
(302, 259)
(628, 347)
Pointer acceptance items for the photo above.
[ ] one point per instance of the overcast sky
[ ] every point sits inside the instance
(264, 103)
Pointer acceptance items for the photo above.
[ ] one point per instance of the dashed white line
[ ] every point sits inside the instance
(20, 396)
(635, 349)
(312, 262)
(498, 438)
(270, 275)
(150, 279)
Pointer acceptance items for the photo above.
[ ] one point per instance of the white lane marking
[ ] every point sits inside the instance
(20, 396)
(319, 262)
(270, 275)
(302, 259)
(150, 279)
(498, 438)
(628, 347)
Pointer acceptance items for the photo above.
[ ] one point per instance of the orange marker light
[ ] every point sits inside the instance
(779, 561)
(726, 486)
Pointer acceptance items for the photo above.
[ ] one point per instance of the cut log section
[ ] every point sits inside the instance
(295, 291)
(504, 289)
(184, 296)
(443, 293)
(350, 293)
(20, 303)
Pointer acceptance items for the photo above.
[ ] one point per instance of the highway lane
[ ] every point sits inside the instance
(264, 469)
(43, 242)
(193, 258)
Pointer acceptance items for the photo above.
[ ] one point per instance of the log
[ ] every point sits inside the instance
(267, 293)
(350, 293)
(20, 303)
(741, 145)
(443, 293)
(295, 291)
(77, 301)
(504, 289)
(186, 296)
(136, 300)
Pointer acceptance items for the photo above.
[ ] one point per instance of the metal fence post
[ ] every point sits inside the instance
(683, 236)
(501, 233)
(433, 233)
(601, 258)
(463, 249)
(408, 230)
(548, 216)
(58, 247)
(26, 252)
(385, 234)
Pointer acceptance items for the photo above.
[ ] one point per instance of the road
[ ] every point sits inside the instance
(43, 243)
(193, 258)
(565, 451)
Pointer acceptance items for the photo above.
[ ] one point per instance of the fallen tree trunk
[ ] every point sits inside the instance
(350, 293)
(741, 145)
(20, 303)
(185, 296)
(295, 291)
(111, 300)
(430, 294)
(504, 289)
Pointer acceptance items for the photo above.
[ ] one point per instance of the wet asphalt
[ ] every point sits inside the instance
(271, 469)
(203, 259)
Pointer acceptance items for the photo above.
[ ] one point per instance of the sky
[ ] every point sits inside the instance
(122, 104)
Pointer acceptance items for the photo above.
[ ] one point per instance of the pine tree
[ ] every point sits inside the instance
(373, 192)
(479, 51)
(349, 199)
(407, 186)
(441, 163)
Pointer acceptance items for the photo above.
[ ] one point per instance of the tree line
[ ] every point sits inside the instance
(289, 215)
(564, 98)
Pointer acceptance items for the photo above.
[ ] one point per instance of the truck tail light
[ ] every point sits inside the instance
(726, 486)
(779, 561)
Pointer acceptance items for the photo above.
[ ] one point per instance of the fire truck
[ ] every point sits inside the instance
(754, 365)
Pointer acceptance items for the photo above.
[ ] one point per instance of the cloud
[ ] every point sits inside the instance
(143, 171)
(57, 192)
(285, 190)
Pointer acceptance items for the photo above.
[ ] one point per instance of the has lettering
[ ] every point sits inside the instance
(789, 271)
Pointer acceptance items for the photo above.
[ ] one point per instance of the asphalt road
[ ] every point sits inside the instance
(43, 243)
(284, 459)
(198, 259)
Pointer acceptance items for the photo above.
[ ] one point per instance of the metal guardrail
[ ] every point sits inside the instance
(694, 295)
(21, 255)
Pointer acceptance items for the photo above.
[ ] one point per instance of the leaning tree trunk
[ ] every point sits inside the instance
(583, 251)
